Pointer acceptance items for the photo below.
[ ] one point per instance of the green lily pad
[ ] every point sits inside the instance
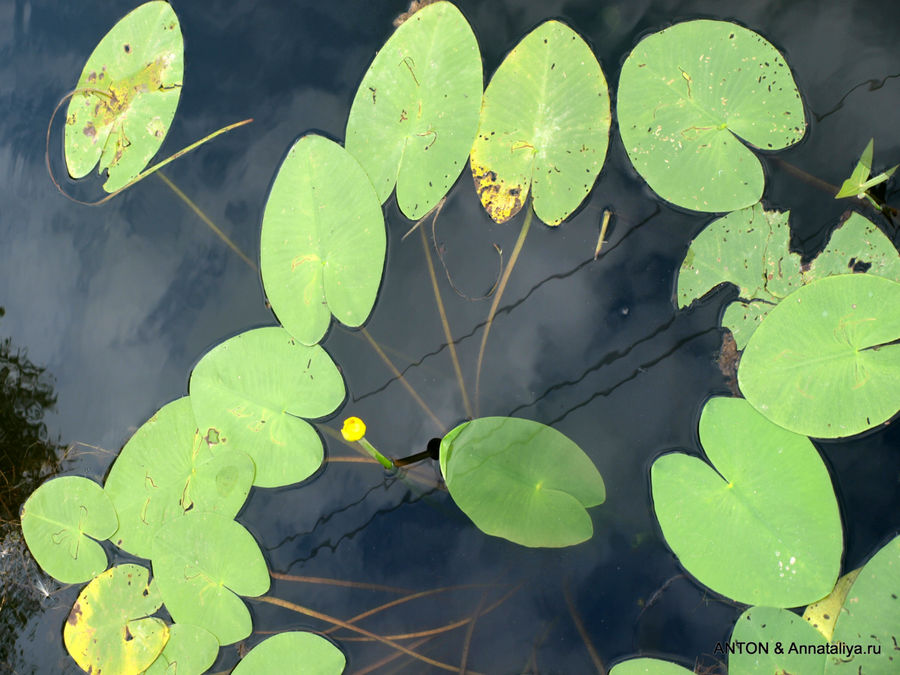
(761, 525)
(544, 127)
(109, 629)
(521, 480)
(770, 628)
(826, 361)
(249, 393)
(858, 245)
(323, 240)
(200, 562)
(822, 614)
(870, 618)
(294, 652)
(131, 82)
(166, 469)
(191, 650)
(414, 116)
(689, 95)
(60, 519)
(648, 666)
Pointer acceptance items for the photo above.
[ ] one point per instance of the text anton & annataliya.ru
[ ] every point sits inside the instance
(840, 648)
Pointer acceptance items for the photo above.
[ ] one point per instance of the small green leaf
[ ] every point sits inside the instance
(200, 562)
(293, 652)
(323, 240)
(109, 629)
(131, 82)
(761, 525)
(521, 480)
(191, 650)
(826, 361)
(857, 244)
(58, 521)
(648, 666)
(853, 185)
(544, 127)
(415, 113)
(688, 95)
(768, 626)
(250, 392)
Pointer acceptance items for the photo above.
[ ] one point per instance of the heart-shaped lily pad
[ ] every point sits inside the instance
(293, 652)
(761, 525)
(190, 650)
(767, 635)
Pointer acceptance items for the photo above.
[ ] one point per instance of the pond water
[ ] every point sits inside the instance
(119, 302)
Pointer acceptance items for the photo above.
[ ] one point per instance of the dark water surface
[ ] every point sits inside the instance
(120, 301)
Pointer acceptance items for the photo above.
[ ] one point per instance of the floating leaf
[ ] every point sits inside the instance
(688, 95)
(870, 618)
(293, 652)
(250, 392)
(544, 126)
(200, 561)
(109, 629)
(648, 666)
(859, 182)
(857, 245)
(191, 650)
(415, 113)
(761, 630)
(761, 525)
(58, 520)
(823, 613)
(826, 361)
(521, 480)
(132, 83)
(166, 469)
(323, 240)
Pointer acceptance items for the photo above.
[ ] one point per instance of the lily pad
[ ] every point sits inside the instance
(857, 245)
(294, 652)
(544, 127)
(823, 613)
(870, 618)
(648, 666)
(129, 91)
(323, 240)
(826, 361)
(760, 525)
(764, 629)
(200, 562)
(415, 113)
(521, 480)
(109, 629)
(167, 469)
(60, 521)
(191, 650)
(250, 392)
(689, 95)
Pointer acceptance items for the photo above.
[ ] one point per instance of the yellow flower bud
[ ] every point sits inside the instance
(353, 429)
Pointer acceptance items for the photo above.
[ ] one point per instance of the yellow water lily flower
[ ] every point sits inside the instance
(353, 429)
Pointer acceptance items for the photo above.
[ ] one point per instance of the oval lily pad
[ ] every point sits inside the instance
(249, 393)
(761, 525)
(763, 629)
(131, 82)
(521, 480)
(190, 650)
(826, 360)
(544, 127)
(200, 562)
(688, 95)
(323, 240)
(294, 652)
(166, 469)
(648, 666)
(58, 521)
(415, 113)
(109, 629)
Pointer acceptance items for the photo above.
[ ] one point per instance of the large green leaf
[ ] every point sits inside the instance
(249, 393)
(822, 363)
(323, 240)
(761, 525)
(415, 113)
(190, 650)
(293, 652)
(131, 82)
(544, 126)
(688, 95)
(166, 469)
(109, 629)
(521, 480)
(58, 521)
(870, 618)
(200, 561)
(767, 635)
(648, 666)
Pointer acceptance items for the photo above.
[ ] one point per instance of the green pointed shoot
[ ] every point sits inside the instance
(293, 652)
(859, 182)
(415, 113)
(544, 127)
(690, 96)
(323, 240)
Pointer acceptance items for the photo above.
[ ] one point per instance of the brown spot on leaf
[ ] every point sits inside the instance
(728, 360)
(127, 48)
(500, 200)
(74, 614)
(90, 131)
